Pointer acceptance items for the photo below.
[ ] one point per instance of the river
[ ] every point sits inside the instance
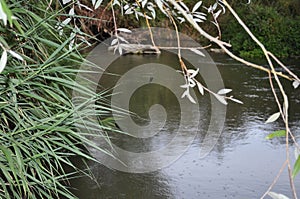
(241, 165)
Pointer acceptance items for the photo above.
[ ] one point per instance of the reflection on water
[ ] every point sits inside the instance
(242, 164)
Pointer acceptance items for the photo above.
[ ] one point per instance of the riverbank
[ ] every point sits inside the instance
(275, 24)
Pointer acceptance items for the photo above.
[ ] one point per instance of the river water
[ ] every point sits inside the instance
(241, 165)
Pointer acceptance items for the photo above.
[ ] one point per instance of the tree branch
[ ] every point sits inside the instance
(220, 43)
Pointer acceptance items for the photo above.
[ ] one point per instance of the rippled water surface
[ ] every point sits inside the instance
(242, 164)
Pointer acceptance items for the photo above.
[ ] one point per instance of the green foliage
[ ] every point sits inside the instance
(296, 167)
(279, 133)
(275, 23)
(38, 135)
(284, 7)
(279, 33)
(37, 132)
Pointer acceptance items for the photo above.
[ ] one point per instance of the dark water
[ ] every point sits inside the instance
(241, 165)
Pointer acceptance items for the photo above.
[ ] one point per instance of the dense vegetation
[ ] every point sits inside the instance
(275, 23)
(38, 135)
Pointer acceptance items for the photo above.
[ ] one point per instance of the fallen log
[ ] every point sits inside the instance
(135, 49)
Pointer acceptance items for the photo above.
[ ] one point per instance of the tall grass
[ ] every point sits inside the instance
(37, 132)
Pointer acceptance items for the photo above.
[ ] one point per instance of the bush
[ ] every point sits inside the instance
(38, 136)
(277, 32)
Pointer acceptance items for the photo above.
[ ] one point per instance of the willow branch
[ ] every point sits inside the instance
(284, 113)
(114, 19)
(220, 43)
(148, 25)
(284, 67)
(268, 55)
(275, 180)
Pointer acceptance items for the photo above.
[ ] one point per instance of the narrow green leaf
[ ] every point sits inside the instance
(18, 26)
(3, 15)
(7, 12)
(21, 167)
(279, 133)
(11, 162)
(296, 167)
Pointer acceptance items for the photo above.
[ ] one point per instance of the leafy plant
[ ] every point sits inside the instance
(38, 135)
(276, 31)
(261, 32)
(39, 55)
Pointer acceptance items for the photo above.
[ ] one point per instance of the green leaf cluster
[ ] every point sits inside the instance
(277, 31)
(38, 135)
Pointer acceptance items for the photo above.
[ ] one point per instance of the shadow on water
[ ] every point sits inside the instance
(115, 184)
(242, 164)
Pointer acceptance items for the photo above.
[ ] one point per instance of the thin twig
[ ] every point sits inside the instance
(150, 31)
(284, 67)
(114, 19)
(220, 43)
(284, 113)
(183, 66)
(275, 180)
(182, 48)
(49, 5)
(148, 25)
(216, 23)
